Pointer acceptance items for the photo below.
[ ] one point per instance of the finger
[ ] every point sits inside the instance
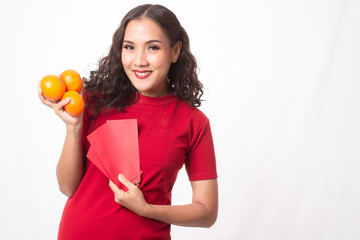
(43, 99)
(39, 88)
(60, 105)
(115, 189)
(126, 182)
(41, 96)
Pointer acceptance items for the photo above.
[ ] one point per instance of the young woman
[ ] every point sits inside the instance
(149, 75)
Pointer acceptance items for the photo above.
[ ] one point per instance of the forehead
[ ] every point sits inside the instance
(144, 29)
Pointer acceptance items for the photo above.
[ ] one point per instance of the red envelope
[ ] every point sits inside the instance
(96, 161)
(128, 145)
(114, 149)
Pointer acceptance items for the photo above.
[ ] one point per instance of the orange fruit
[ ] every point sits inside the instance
(76, 106)
(52, 87)
(72, 80)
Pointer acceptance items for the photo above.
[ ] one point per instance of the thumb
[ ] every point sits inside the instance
(59, 106)
(126, 182)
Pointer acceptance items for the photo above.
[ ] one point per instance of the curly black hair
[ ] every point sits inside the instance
(109, 86)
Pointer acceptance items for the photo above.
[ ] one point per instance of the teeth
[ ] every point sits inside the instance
(142, 73)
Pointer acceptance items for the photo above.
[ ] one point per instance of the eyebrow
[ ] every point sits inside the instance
(147, 42)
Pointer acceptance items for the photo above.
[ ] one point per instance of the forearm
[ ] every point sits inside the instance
(190, 215)
(202, 212)
(70, 168)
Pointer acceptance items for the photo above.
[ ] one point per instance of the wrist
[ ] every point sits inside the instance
(147, 211)
(74, 129)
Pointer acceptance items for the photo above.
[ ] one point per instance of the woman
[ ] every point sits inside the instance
(149, 75)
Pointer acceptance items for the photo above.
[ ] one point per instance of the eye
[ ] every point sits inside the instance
(128, 47)
(153, 48)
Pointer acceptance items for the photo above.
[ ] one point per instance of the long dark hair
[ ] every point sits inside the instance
(109, 85)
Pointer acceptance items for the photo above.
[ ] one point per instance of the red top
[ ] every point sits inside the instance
(171, 134)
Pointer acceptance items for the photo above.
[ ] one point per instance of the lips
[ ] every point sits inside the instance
(142, 74)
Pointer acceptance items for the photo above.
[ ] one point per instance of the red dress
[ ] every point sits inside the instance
(171, 134)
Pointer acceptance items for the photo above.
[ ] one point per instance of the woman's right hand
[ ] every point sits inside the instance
(58, 107)
(70, 167)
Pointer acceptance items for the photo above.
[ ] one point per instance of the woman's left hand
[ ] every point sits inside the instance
(133, 199)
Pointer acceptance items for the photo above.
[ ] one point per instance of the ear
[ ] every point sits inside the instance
(175, 51)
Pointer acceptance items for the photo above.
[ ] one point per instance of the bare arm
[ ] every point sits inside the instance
(201, 212)
(70, 168)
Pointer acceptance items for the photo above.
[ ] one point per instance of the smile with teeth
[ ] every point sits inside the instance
(142, 74)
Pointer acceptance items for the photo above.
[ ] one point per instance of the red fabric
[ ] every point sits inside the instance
(171, 134)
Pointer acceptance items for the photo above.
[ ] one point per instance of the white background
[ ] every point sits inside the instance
(282, 94)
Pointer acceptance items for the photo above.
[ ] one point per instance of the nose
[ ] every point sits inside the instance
(140, 58)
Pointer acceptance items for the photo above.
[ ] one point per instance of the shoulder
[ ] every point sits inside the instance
(191, 112)
(191, 117)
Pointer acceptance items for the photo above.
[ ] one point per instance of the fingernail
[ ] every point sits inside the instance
(121, 176)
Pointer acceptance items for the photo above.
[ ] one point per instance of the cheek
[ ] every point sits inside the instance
(125, 60)
(160, 60)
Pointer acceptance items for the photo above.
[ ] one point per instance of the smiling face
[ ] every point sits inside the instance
(147, 55)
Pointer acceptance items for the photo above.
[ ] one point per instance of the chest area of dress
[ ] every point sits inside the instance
(163, 138)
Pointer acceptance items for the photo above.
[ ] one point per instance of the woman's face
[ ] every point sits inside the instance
(146, 56)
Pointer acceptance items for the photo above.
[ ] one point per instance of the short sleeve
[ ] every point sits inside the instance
(201, 163)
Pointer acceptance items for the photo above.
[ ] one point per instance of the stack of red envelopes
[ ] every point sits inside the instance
(114, 149)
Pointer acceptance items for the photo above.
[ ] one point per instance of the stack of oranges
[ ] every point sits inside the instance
(67, 85)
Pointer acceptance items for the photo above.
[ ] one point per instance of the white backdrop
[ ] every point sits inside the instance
(282, 94)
